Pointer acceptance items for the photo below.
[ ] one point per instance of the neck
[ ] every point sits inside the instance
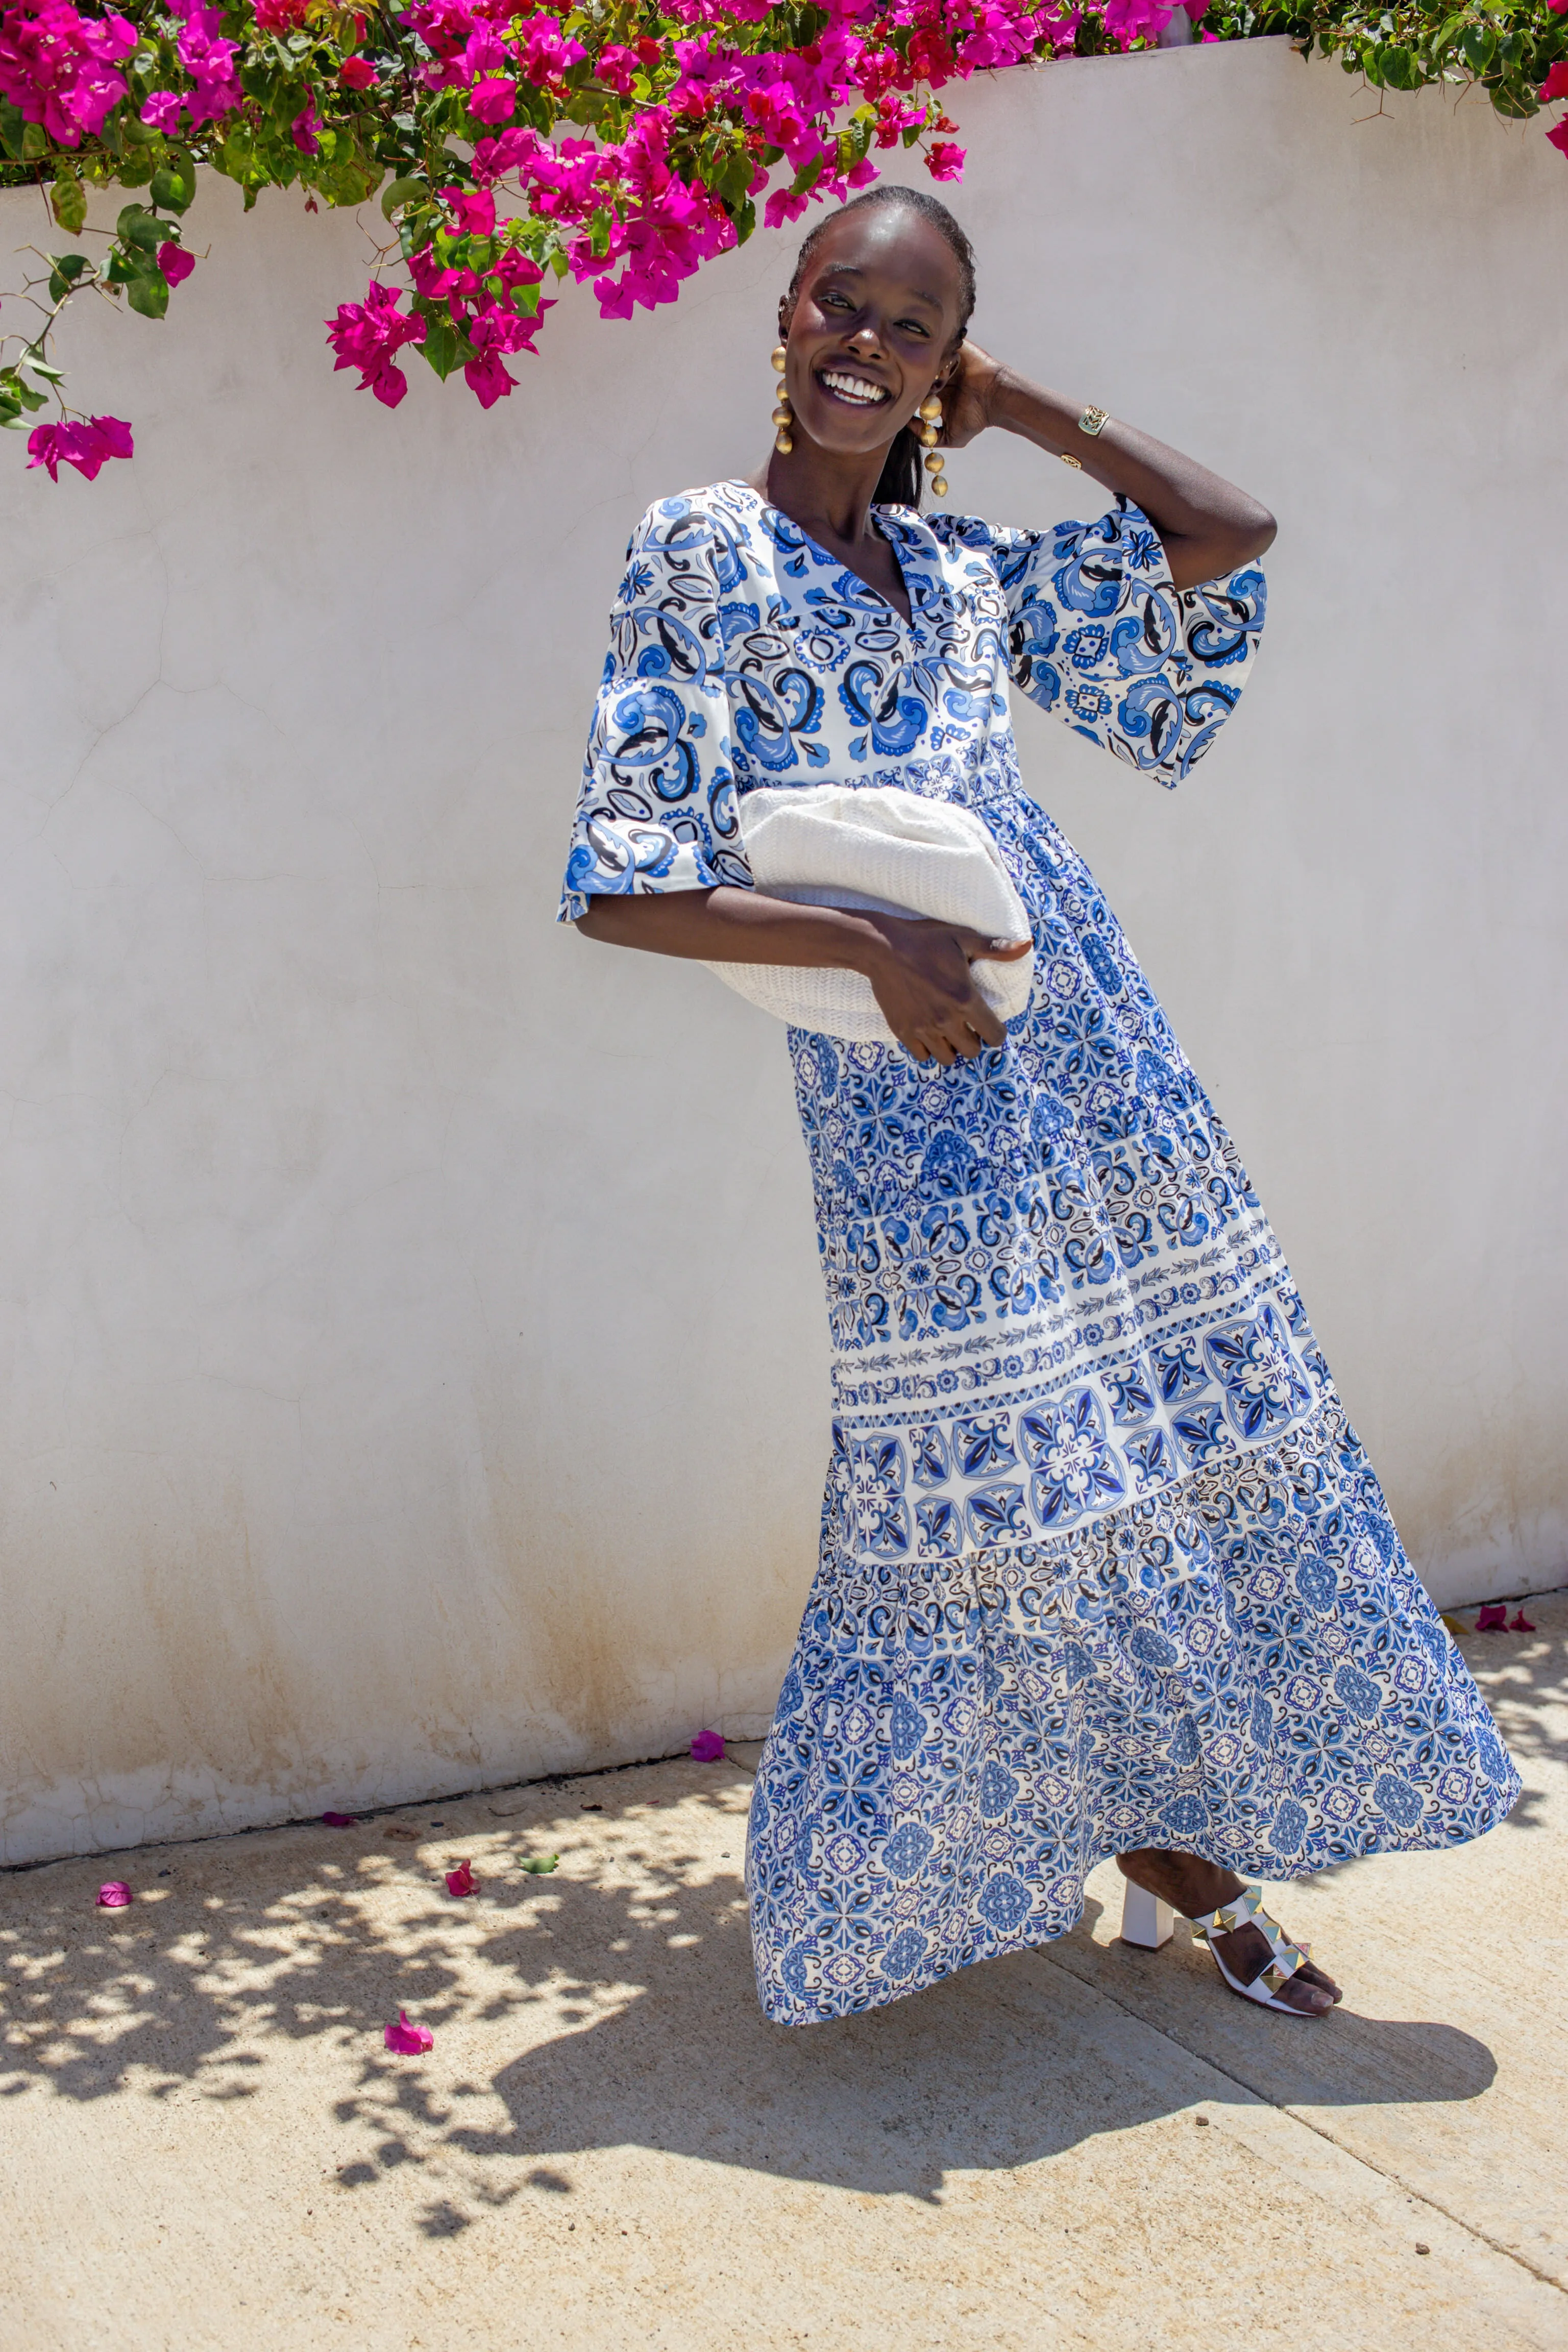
(827, 494)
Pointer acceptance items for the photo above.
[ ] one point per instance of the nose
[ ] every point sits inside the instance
(866, 338)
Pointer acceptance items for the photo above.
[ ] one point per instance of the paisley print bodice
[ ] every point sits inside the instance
(744, 654)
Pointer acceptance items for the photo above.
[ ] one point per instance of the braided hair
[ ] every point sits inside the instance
(899, 484)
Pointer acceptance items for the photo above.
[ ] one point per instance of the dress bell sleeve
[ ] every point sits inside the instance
(656, 807)
(1099, 635)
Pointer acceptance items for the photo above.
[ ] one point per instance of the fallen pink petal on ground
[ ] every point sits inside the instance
(708, 1748)
(461, 1880)
(114, 1895)
(340, 1820)
(1520, 1623)
(408, 2041)
(1493, 1618)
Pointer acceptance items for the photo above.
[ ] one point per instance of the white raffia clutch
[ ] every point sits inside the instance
(890, 851)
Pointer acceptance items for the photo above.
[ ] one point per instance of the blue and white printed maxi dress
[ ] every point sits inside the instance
(1103, 1563)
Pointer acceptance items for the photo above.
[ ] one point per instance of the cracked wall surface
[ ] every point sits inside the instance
(413, 1363)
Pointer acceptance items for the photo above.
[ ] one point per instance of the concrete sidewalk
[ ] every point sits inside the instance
(207, 2145)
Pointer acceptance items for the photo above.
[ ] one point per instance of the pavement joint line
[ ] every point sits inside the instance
(1296, 2115)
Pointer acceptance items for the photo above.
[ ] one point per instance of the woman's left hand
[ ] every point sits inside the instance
(967, 395)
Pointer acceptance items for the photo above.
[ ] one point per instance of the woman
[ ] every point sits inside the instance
(1104, 1568)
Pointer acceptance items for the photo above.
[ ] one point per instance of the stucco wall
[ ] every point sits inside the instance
(414, 1366)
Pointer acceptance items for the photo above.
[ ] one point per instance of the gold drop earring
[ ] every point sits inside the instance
(784, 416)
(930, 426)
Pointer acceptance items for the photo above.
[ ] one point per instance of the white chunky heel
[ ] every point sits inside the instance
(1145, 1920)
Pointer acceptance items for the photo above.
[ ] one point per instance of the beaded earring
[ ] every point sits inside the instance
(784, 416)
(930, 426)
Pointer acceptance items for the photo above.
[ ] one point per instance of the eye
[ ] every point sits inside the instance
(832, 299)
(913, 326)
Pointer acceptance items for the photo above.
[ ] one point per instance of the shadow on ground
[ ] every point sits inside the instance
(627, 1978)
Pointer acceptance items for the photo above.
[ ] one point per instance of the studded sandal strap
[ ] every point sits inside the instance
(1246, 1910)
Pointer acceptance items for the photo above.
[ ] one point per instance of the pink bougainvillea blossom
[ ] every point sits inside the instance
(209, 61)
(1520, 1623)
(946, 161)
(340, 1820)
(304, 127)
(408, 2041)
(1493, 1618)
(280, 16)
(176, 264)
(358, 73)
(462, 1881)
(708, 1748)
(114, 1895)
(87, 445)
(59, 69)
(494, 100)
(368, 335)
(474, 210)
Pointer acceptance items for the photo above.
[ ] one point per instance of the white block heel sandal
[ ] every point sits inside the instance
(1246, 1910)
(1145, 1920)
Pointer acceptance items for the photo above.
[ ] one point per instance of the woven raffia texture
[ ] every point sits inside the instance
(878, 847)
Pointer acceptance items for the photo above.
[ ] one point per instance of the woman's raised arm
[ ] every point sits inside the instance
(1207, 525)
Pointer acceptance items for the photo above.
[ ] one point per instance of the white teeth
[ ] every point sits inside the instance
(855, 387)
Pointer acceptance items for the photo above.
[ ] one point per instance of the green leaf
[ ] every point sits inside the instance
(35, 145)
(66, 269)
(541, 1865)
(138, 227)
(148, 292)
(171, 188)
(12, 130)
(1514, 98)
(1476, 45)
(403, 192)
(35, 362)
(440, 346)
(67, 200)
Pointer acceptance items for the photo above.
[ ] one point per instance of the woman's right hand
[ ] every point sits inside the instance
(920, 977)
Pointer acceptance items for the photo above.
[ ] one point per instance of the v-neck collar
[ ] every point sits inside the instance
(914, 551)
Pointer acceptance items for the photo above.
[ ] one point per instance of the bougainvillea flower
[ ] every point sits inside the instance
(358, 73)
(340, 1820)
(1493, 1618)
(304, 127)
(461, 1880)
(280, 16)
(1558, 138)
(708, 1748)
(1556, 83)
(946, 161)
(474, 210)
(494, 100)
(58, 68)
(176, 264)
(1520, 1623)
(209, 61)
(366, 335)
(408, 2041)
(86, 445)
(114, 1895)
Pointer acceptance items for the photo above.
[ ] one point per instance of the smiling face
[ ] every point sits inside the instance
(872, 328)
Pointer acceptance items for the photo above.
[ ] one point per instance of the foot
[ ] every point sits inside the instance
(1195, 1888)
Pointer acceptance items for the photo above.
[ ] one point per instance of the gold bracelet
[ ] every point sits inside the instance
(1093, 422)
